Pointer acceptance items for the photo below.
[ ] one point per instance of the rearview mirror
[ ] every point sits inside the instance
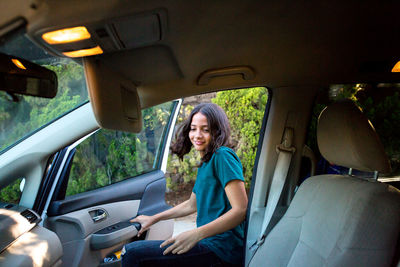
(20, 76)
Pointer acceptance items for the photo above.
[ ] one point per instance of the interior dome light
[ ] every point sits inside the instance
(84, 52)
(396, 67)
(18, 64)
(67, 35)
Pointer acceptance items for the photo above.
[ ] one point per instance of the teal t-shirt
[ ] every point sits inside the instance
(212, 202)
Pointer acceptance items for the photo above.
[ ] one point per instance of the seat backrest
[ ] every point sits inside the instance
(336, 220)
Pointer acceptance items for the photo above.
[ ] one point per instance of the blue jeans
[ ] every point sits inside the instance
(148, 253)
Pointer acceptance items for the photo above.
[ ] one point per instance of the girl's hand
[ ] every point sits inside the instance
(182, 243)
(145, 221)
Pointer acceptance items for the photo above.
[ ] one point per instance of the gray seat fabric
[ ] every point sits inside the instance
(336, 220)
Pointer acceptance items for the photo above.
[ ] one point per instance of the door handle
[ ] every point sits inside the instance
(98, 215)
(137, 225)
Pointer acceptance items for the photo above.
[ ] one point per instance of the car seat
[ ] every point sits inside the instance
(339, 220)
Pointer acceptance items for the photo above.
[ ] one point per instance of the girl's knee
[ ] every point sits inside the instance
(132, 248)
(140, 250)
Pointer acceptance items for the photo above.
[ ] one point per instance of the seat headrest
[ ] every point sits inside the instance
(347, 138)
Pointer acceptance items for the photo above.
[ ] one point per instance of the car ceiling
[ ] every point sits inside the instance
(285, 43)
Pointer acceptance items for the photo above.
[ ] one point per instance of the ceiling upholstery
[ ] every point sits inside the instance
(286, 43)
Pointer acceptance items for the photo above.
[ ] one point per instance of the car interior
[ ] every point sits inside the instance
(325, 189)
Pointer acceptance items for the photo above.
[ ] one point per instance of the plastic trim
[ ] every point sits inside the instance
(170, 127)
(259, 148)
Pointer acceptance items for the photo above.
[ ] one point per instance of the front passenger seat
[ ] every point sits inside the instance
(336, 220)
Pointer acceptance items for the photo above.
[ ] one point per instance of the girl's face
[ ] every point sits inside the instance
(199, 134)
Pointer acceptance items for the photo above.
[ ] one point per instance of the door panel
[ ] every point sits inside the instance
(75, 231)
(153, 199)
(79, 224)
(136, 188)
(72, 218)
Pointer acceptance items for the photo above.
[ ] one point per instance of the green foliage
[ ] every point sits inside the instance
(11, 193)
(104, 158)
(182, 171)
(245, 110)
(347, 91)
(384, 114)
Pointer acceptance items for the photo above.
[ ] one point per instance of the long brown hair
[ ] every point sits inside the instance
(218, 125)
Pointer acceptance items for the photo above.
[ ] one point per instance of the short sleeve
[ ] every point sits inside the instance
(228, 166)
(194, 188)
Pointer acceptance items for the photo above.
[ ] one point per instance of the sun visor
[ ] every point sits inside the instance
(114, 98)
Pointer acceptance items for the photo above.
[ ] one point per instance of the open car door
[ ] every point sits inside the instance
(103, 180)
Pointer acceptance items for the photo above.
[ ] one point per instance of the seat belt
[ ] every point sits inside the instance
(285, 152)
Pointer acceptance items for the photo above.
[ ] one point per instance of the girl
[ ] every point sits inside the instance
(218, 196)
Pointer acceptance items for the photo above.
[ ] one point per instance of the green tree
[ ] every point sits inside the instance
(11, 193)
(384, 114)
(245, 110)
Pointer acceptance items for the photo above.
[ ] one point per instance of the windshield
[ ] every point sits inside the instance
(19, 119)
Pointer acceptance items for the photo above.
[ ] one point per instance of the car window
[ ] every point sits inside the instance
(108, 156)
(20, 116)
